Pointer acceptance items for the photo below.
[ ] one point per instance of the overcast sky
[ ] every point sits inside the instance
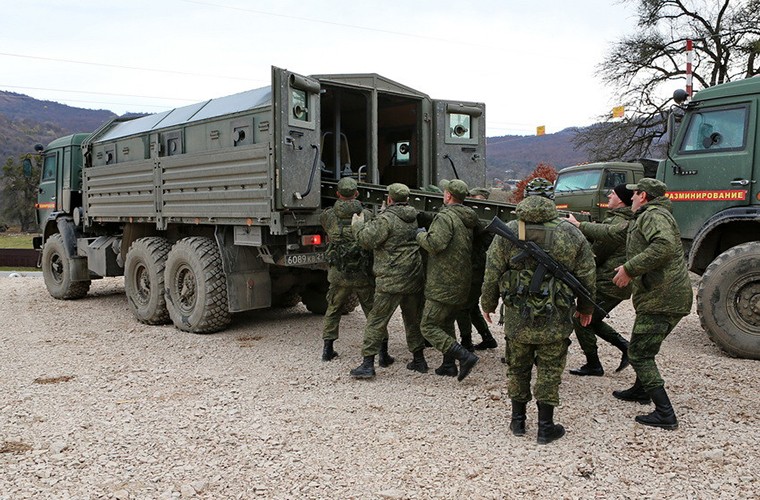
(532, 62)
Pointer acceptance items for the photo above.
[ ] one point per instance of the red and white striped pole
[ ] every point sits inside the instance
(689, 60)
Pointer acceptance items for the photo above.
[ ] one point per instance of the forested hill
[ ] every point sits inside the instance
(25, 121)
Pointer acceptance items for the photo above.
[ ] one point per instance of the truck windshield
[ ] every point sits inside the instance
(574, 181)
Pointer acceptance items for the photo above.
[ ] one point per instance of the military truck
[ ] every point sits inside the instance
(584, 188)
(711, 171)
(213, 208)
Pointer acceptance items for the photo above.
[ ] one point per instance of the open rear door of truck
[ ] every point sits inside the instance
(460, 142)
(295, 104)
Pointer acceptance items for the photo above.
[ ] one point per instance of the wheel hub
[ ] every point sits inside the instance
(746, 294)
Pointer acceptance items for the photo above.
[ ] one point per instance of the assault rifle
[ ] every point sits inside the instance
(546, 263)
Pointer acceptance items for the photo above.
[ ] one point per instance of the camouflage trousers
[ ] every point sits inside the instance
(471, 316)
(597, 328)
(384, 306)
(549, 360)
(337, 296)
(649, 330)
(438, 324)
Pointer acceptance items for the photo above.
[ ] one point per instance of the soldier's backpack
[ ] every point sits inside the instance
(536, 296)
(345, 254)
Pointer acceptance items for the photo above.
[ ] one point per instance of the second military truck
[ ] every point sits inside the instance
(213, 208)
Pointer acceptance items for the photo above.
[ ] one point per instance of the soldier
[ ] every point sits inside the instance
(538, 325)
(608, 238)
(398, 273)
(662, 295)
(471, 316)
(349, 268)
(448, 244)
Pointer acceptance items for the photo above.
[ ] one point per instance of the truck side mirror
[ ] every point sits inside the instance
(674, 121)
(27, 166)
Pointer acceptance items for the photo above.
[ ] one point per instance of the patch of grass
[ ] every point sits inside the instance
(14, 447)
(20, 269)
(53, 380)
(16, 240)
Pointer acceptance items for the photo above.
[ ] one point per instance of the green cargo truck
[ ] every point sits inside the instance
(213, 208)
(584, 188)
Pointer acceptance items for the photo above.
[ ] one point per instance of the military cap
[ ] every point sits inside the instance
(398, 192)
(485, 193)
(347, 187)
(652, 187)
(458, 189)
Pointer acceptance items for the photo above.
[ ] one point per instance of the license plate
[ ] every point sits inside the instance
(304, 259)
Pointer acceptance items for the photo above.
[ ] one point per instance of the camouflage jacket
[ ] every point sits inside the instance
(656, 261)
(448, 244)
(608, 243)
(336, 222)
(565, 243)
(398, 263)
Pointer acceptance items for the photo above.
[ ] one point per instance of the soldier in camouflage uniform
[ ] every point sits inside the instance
(471, 316)
(608, 243)
(448, 244)
(348, 271)
(662, 294)
(538, 325)
(398, 273)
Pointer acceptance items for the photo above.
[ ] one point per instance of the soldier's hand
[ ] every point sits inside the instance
(572, 220)
(357, 217)
(421, 230)
(487, 316)
(621, 278)
(584, 319)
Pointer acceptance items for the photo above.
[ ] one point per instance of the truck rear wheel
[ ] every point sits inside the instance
(728, 300)
(196, 290)
(57, 273)
(144, 280)
(315, 301)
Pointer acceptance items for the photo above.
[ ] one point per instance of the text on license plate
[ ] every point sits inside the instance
(304, 259)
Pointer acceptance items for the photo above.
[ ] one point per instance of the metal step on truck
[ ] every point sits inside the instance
(213, 208)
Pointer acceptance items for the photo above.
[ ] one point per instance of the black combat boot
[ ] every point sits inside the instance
(635, 393)
(593, 367)
(385, 359)
(418, 363)
(448, 368)
(327, 351)
(488, 342)
(663, 415)
(548, 431)
(366, 369)
(466, 360)
(517, 425)
(622, 344)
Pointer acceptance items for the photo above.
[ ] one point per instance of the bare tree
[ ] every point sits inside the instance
(647, 66)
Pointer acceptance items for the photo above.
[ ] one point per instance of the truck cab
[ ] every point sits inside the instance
(711, 172)
(584, 188)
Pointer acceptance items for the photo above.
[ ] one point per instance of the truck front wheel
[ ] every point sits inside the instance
(196, 289)
(728, 300)
(56, 271)
(144, 280)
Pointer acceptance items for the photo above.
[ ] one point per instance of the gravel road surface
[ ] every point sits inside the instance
(96, 405)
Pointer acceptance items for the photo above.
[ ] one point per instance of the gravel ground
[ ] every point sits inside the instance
(96, 405)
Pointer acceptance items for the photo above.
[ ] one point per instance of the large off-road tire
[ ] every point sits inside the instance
(728, 300)
(196, 290)
(144, 280)
(57, 273)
